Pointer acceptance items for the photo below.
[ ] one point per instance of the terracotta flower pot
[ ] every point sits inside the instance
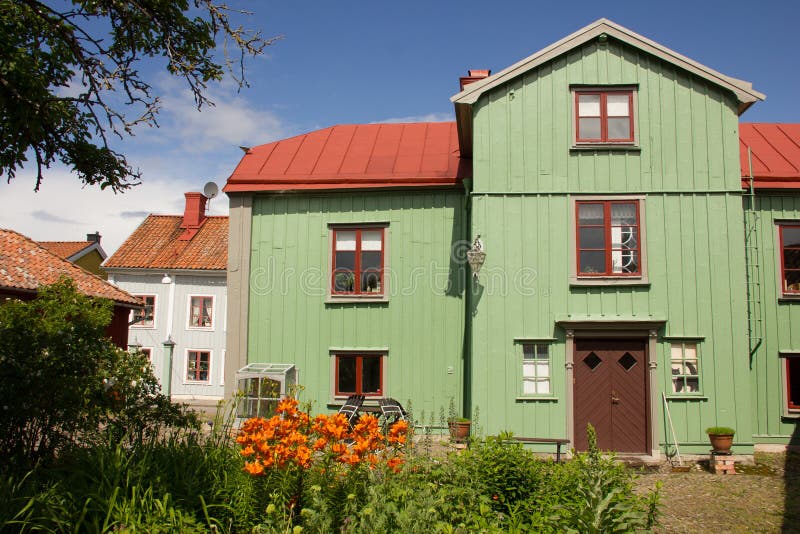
(721, 442)
(459, 430)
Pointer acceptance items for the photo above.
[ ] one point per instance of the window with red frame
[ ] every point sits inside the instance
(608, 238)
(358, 261)
(790, 258)
(201, 311)
(197, 365)
(145, 317)
(359, 374)
(604, 116)
(793, 383)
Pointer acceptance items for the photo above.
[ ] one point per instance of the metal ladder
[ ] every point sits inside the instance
(753, 268)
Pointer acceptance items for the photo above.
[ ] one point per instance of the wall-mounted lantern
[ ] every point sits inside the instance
(476, 256)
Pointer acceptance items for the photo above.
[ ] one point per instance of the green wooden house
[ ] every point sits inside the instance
(770, 160)
(603, 177)
(340, 263)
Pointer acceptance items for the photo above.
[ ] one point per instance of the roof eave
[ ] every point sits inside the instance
(743, 90)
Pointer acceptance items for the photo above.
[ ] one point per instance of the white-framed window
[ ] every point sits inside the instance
(198, 366)
(145, 317)
(685, 368)
(536, 369)
(358, 262)
(201, 311)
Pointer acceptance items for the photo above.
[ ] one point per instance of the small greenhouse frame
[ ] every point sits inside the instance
(260, 386)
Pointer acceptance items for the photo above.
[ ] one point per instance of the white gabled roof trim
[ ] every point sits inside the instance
(744, 90)
(84, 251)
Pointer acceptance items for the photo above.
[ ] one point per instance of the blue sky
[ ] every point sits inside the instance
(369, 61)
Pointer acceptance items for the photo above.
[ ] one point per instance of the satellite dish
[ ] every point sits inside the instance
(210, 190)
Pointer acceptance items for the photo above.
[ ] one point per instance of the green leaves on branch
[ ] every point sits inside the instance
(69, 76)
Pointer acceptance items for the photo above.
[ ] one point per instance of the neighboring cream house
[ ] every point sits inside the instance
(176, 265)
(87, 254)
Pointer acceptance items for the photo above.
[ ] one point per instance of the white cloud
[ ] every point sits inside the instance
(231, 122)
(64, 211)
(429, 117)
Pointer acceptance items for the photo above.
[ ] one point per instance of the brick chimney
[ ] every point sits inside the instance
(473, 75)
(93, 238)
(194, 215)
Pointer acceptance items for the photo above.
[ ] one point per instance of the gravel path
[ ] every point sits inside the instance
(754, 500)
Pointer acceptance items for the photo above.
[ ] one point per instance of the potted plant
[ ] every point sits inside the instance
(721, 438)
(459, 426)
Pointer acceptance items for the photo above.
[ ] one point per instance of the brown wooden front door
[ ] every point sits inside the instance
(610, 392)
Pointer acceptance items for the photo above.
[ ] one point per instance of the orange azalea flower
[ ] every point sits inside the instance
(320, 444)
(248, 451)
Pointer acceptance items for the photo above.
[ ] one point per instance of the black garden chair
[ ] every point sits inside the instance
(351, 406)
(392, 411)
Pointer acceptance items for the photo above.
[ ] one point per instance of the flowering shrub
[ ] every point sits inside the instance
(292, 438)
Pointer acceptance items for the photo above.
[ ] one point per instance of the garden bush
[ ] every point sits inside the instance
(63, 383)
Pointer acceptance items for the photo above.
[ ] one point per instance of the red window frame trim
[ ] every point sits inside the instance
(191, 308)
(359, 356)
(784, 286)
(197, 366)
(794, 408)
(603, 116)
(141, 324)
(357, 266)
(608, 249)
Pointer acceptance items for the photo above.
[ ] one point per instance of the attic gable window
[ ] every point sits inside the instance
(604, 116)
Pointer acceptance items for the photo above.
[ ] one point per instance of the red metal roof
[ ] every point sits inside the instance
(155, 245)
(25, 265)
(356, 156)
(775, 153)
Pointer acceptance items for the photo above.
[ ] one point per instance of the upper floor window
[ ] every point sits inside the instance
(358, 261)
(359, 374)
(604, 116)
(608, 238)
(145, 317)
(201, 311)
(789, 235)
(791, 376)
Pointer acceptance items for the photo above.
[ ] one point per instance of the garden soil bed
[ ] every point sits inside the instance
(764, 497)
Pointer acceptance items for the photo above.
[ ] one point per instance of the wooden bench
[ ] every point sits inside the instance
(558, 442)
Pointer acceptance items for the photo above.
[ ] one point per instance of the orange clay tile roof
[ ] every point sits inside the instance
(25, 265)
(65, 249)
(155, 245)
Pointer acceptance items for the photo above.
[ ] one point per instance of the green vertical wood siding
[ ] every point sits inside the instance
(781, 322)
(422, 324)
(686, 167)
